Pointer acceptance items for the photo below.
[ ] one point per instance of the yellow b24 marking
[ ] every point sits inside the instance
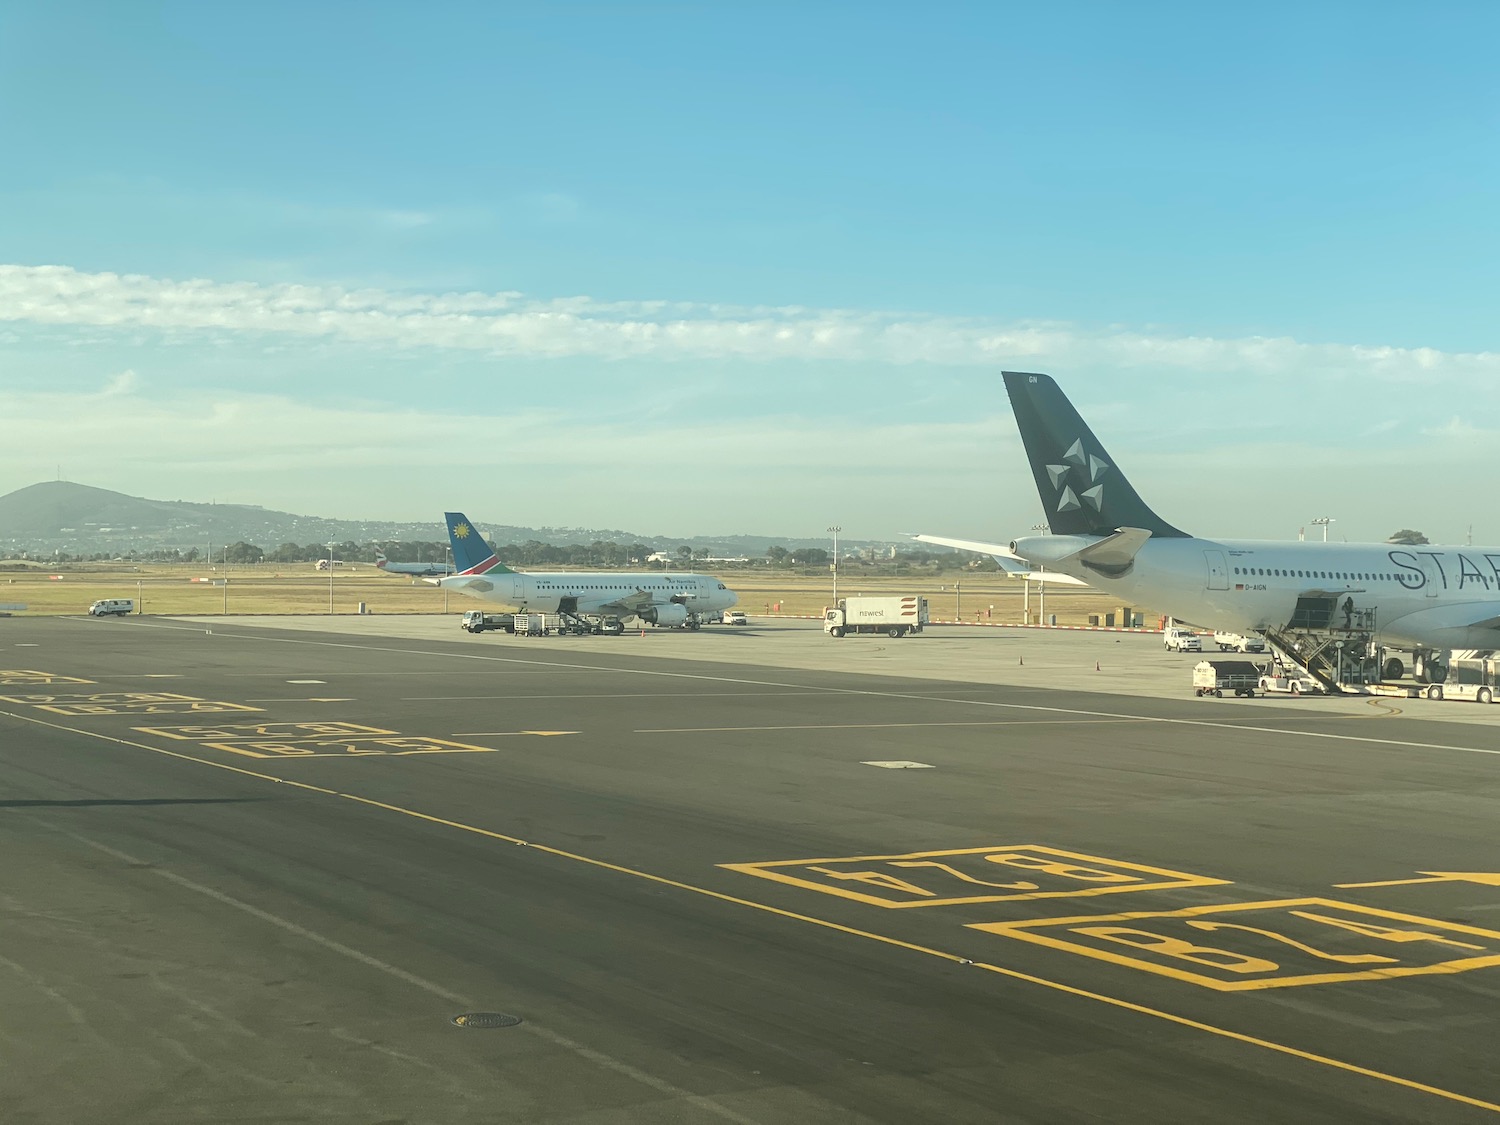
(1276, 944)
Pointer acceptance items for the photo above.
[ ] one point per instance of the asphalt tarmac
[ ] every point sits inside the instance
(254, 875)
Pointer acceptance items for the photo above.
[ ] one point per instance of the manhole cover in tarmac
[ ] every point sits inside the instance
(486, 1019)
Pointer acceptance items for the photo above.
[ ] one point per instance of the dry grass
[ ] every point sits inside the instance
(298, 589)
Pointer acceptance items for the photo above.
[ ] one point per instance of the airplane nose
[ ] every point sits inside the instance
(734, 599)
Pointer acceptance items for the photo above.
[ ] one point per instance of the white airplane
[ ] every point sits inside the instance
(655, 597)
(416, 569)
(1425, 600)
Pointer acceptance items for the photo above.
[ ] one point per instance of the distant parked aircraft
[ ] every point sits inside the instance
(417, 569)
(654, 597)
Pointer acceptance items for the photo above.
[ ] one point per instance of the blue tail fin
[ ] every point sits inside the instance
(471, 554)
(1083, 492)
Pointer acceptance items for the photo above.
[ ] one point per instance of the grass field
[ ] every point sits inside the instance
(298, 589)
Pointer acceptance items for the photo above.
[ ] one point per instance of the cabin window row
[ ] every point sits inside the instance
(1341, 575)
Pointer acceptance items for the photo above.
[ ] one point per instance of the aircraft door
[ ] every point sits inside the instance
(1218, 570)
(1433, 574)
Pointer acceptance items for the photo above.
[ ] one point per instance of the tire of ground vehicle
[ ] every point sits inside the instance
(893, 631)
(1218, 694)
(835, 632)
(1296, 688)
(1394, 669)
(1484, 695)
(1434, 692)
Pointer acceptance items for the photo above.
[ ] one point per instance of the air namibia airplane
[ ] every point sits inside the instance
(1419, 599)
(654, 596)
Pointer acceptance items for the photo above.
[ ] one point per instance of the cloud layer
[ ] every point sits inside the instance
(513, 324)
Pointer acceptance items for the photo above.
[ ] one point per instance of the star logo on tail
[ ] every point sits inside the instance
(1078, 479)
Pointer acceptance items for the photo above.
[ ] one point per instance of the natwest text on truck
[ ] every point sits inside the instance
(893, 616)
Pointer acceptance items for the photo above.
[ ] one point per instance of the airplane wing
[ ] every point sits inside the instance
(629, 605)
(1010, 562)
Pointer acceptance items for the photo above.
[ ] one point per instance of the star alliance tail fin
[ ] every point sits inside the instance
(1082, 491)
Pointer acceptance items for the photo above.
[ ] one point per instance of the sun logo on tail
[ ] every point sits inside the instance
(460, 531)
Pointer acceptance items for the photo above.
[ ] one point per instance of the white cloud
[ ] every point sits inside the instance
(512, 324)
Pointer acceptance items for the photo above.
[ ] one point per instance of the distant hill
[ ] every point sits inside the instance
(55, 508)
(81, 519)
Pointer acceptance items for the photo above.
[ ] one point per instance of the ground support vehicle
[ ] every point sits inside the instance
(477, 621)
(1215, 677)
(734, 617)
(893, 616)
(112, 607)
(1469, 679)
(1290, 681)
(1239, 642)
(537, 624)
(1181, 640)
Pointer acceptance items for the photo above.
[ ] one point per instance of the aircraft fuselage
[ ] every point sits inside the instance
(1421, 596)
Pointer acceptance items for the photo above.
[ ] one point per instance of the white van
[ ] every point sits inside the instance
(112, 607)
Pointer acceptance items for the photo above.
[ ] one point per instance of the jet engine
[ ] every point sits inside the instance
(673, 614)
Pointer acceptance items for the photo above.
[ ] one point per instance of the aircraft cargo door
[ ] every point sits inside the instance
(1218, 570)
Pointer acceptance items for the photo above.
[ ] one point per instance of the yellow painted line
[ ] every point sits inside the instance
(879, 726)
(1011, 974)
(1483, 878)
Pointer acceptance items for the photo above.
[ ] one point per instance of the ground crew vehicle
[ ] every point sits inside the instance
(1239, 642)
(1181, 640)
(735, 617)
(112, 607)
(1478, 680)
(477, 621)
(893, 616)
(1292, 681)
(1215, 677)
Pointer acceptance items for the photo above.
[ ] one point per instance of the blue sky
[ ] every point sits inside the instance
(711, 268)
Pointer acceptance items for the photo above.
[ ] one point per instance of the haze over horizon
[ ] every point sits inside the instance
(669, 268)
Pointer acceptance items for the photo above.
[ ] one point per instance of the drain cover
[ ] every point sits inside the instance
(486, 1019)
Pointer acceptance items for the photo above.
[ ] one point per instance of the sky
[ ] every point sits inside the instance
(754, 268)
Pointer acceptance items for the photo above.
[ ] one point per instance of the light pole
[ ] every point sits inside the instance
(835, 530)
(1041, 582)
(330, 578)
(1323, 522)
(448, 562)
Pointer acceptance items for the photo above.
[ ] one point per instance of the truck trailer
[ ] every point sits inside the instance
(893, 616)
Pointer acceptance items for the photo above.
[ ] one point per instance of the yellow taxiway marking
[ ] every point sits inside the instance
(18, 677)
(124, 703)
(882, 726)
(999, 873)
(822, 923)
(1283, 943)
(1483, 878)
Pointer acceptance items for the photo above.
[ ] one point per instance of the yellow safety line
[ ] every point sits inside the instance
(1013, 974)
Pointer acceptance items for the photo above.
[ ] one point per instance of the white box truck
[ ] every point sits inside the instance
(894, 616)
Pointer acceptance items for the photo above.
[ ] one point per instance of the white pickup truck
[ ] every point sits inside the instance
(1181, 640)
(1239, 642)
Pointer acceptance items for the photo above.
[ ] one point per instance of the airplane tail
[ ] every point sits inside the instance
(471, 554)
(1083, 492)
(380, 560)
